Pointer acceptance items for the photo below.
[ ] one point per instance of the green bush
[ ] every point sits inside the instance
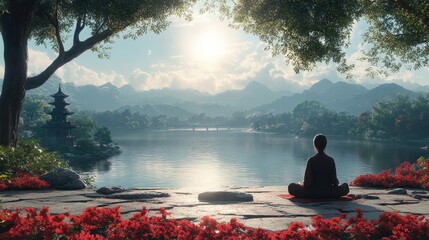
(103, 136)
(85, 145)
(28, 157)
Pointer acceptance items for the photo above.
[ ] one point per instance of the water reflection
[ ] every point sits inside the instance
(100, 165)
(231, 158)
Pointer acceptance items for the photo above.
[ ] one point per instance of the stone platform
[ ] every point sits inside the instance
(267, 210)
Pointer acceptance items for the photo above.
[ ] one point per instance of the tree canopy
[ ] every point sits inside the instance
(70, 27)
(398, 33)
(313, 31)
(87, 24)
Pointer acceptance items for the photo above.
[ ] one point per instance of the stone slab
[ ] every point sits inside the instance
(267, 210)
(225, 196)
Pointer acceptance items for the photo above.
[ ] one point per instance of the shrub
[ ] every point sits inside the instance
(414, 175)
(85, 145)
(28, 157)
(103, 136)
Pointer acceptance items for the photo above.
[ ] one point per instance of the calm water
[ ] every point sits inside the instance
(180, 158)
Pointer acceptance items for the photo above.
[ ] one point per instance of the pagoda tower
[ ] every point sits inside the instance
(59, 128)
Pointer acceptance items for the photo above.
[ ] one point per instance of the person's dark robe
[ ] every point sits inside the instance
(320, 179)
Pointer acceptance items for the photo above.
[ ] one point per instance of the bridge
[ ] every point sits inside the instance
(206, 127)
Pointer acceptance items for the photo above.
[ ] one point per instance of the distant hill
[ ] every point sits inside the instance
(86, 97)
(158, 109)
(339, 96)
(252, 95)
(109, 97)
(210, 108)
(255, 98)
(363, 102)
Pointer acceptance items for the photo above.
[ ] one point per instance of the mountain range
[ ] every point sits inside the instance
(172, 102)
(339, 96)
(253, 98)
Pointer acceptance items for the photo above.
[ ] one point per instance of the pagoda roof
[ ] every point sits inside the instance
(54, 103)
(65, 112)
(59, 94)
(65, 125)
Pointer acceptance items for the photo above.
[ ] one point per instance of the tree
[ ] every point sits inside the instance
(33, 116)
(399, 117)
(398, 33)
(57, 23)
(305, 32)
(102, 136)
(85, 127)
(159, 122)
(34, 111)
(389, 116)
(312, 31)
(315, 117)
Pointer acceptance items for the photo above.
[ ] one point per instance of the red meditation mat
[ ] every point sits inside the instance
(313, 200)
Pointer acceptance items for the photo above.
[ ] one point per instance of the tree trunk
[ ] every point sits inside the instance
(15, 30)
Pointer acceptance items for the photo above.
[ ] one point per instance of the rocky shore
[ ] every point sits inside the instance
(253, 206)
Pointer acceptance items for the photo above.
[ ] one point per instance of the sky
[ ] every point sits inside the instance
(207, 55)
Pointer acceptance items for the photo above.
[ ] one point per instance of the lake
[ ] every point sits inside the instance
(236, 157)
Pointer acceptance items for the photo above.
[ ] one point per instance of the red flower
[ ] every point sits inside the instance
(24, 181)
(406, 175)
(102, 223)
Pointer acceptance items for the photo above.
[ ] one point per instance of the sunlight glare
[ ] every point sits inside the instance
(210, 46)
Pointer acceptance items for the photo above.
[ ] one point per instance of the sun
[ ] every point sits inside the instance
(209, 46)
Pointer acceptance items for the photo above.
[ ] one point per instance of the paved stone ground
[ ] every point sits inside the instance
(266, 211)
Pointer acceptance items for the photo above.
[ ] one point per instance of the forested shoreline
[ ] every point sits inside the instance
(399, 118)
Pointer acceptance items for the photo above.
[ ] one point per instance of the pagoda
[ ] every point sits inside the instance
(59, 128)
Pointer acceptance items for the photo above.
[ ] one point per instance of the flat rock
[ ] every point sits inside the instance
(398, 191)
(110, 190)
(420, 196)
(416, 208)
(274, 224)
(419, 192)
(364, 196)
(9, 199)
(68, 207)
(132, 195)
(46, 194)
(225, 196)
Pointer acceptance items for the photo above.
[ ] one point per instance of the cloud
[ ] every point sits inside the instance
(138, 79)
(245, 59)
(72, 71)
(38, 61)
(81, 75)
(244, 62)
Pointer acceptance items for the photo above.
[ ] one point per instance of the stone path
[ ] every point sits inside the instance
(267, 210)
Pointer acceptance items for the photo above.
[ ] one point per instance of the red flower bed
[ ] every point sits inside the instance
(23, 181)
(103, 223)
(414, 175)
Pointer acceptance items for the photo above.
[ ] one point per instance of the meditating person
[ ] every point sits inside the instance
(320, 178)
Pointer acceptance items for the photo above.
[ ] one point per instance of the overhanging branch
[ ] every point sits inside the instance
(80, 25)
(72, 53)
(53, 20)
